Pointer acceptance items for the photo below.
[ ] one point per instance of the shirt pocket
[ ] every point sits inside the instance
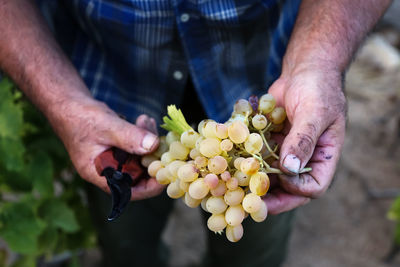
(145, 23)
(231, 13)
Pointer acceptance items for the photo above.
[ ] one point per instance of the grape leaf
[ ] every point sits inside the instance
(40, 170)
(48, 240)
(57, 214)
(20, 227)
(15, 181)
(397, 233)
(394, 212)
(12, 152)
(11, 115)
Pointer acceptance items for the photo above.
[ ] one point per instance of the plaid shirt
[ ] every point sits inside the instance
(136, 55)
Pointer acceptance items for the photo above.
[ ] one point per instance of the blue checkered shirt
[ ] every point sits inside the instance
(137, 55)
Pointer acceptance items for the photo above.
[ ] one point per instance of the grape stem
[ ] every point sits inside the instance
(267, 145)
(308, 169)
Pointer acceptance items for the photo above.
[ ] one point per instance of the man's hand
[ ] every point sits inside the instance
(324, 39)
(91, 128)
(315, 106)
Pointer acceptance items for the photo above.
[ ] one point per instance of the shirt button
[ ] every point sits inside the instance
(178, 75)
(185, 17)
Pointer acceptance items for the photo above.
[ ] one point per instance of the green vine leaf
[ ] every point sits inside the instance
(47, 241)
(11, 115)
(57, 214)
(20, 227)
(40, 170)
(394, 211)
(12, 154)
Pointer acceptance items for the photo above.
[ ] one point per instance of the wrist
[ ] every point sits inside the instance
(315, 70)
(308, 60)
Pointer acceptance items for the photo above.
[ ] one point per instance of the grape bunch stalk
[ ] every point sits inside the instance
(223, 167)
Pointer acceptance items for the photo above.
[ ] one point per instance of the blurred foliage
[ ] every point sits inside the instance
(394, 214)
(42, 211)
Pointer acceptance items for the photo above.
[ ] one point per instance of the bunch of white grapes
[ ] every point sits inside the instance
(223, 167)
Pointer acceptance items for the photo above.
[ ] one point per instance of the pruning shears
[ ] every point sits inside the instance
(122, 172)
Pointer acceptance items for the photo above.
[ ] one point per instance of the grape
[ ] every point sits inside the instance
(216, 222)
(209, 147)
(249, 166)
(259, 183)
(219, 190)
(188, 172)
(216, 205)
(278, 115)
(225, 176)
(243, 179)
(154, 167)
(254, 143)
(174, 166)
(217, 164)
(194, 153)
(232, 183)
(266, 103)
(242, 107)
(234, 215)
(191, 202)
(221, 131)
(146, 160)
(200, 162)
(251, 203)
(172, 137)
(200, 127)
(211, 180)
(166, 158)
(198, 189)
(174, 190)
(238, 132)
(259, 121)
(234, 233)
(178, 151)
(163, 176)
(188, 138)
(226, 145)
(261, 214)
(184, 185)
(203, 204)
(198, 141)
(234, 197)
(238, 117)
(237, 162)
(162, 147)
(210, 129)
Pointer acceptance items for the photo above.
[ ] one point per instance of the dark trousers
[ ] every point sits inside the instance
(135, 238)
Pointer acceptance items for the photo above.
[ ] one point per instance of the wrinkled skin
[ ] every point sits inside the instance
(316, 110)
(89, 130)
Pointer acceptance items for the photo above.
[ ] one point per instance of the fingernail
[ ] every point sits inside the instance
(149, 141)
(292, 163)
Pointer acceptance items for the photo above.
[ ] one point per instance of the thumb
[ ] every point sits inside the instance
(298, 146)
(134, 139)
